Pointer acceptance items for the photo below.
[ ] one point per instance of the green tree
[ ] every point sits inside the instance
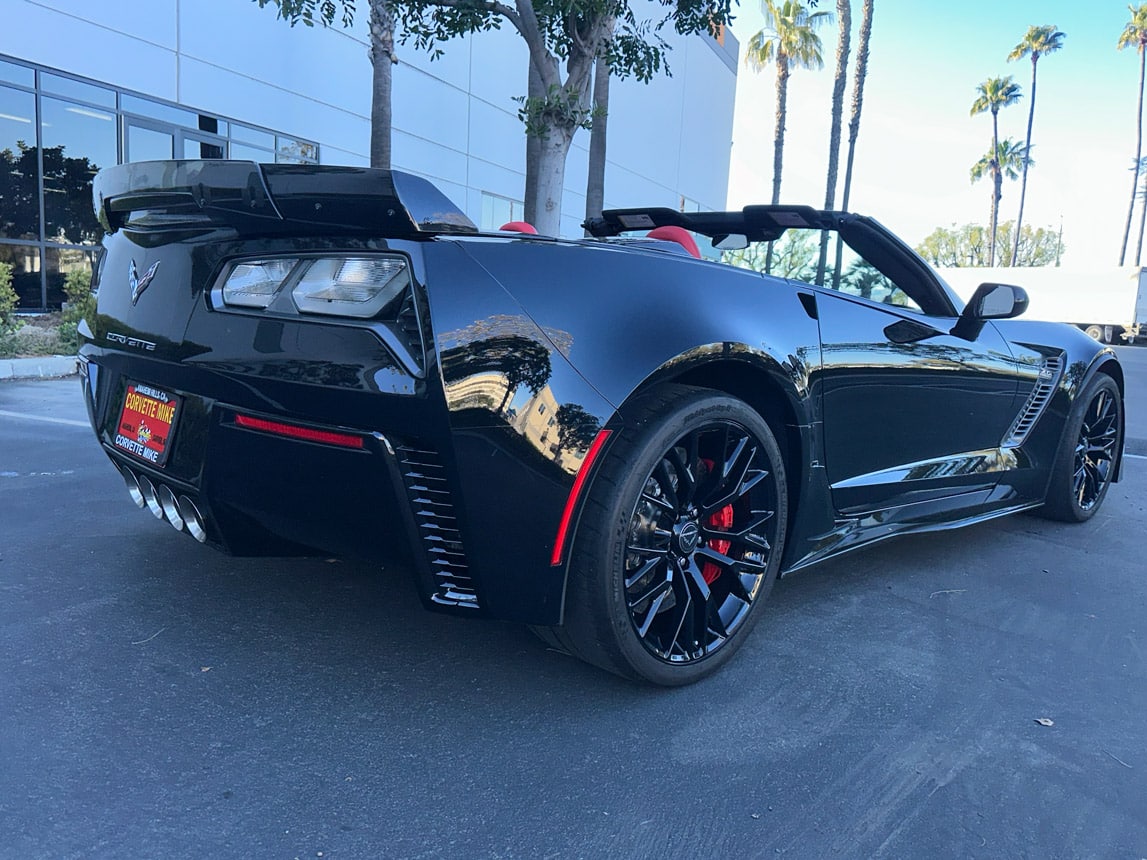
(992, 95)
(843, 46)
(967, 245)
(1135, 34)
(1007, 160)
(564, 40)
(794, 256)
(81, 306)
(789, 39)
(1037, 42)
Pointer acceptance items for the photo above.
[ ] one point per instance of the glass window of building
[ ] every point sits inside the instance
(78, 141)
(19, 166)
(74, 128)
(77, 90)
(17, 74)
(59, 263)
(497, 210)
(26, 279)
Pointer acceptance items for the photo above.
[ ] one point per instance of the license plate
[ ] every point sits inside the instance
(146, 423)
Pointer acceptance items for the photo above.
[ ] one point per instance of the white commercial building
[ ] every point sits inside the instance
(87, 84)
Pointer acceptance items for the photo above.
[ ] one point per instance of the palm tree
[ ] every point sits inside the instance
(1135, 33)
(1037, 42)
(993, 94)
(1008, 158)
(844, 16)
(854, 119)
(789, 38)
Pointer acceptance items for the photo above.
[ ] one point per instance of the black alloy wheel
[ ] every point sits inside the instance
(1095, 449)
(681, 538)
(1086, 462)
(700, 537)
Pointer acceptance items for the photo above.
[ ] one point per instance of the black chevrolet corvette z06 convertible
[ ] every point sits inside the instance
(613, 440)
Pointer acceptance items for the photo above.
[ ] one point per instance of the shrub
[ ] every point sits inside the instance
(8, 299)
(81, 306)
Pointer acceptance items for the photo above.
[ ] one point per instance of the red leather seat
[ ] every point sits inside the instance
(676, 234)
(518, 227)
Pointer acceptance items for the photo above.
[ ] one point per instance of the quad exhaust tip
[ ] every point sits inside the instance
(181, 513)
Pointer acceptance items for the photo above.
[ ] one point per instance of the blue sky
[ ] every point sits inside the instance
(917, 141)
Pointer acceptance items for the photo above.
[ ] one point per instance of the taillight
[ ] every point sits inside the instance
(358, 286)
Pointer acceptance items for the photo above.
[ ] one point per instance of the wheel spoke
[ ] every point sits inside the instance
(641, 572)
(657, 592)
(665, 481)
(651, 614)
(659, 503)
(686, 476)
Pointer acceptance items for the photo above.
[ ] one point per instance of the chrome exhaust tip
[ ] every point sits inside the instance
(170, 507)
(150, 497)
(196, 526)
(133, 489)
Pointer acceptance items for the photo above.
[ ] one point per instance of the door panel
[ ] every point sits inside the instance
(906, 422)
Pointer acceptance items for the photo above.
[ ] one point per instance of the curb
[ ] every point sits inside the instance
(40, 367)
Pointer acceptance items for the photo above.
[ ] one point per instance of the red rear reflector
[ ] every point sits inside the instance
(294, 431)
(575, 494)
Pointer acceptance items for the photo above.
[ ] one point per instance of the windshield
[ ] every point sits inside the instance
(797, 255)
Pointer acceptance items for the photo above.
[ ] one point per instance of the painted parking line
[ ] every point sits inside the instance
(1136, 456)
(44, 418)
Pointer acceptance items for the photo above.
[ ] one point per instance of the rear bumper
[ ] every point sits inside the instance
(263, 493)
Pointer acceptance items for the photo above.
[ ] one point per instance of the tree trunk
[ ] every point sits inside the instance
(779, 133)
(382, 59)
(854, 121)
(1138, 154)
(997, 182)
(536, 90)
(1027, 152)
(844, 17)
(779, 140)
(1142, 219)
(595, 184)
(552, 150)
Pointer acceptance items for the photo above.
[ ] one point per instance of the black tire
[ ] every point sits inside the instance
(1085, 462)
(656, 592)
(1095, 332)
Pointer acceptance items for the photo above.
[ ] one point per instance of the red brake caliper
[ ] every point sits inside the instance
(723, 520)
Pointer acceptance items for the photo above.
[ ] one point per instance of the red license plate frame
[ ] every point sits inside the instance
(147, 421)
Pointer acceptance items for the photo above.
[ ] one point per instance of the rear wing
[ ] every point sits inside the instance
(272, 199)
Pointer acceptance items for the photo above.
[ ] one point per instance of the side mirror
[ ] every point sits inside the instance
(731, 242)
(990, 302)
(997, 302)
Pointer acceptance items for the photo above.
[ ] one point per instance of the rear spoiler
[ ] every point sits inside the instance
(272, 198)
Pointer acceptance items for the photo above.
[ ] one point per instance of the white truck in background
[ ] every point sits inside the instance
(1110, 304)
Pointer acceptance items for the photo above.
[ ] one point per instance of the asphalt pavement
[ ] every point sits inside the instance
(158, 699)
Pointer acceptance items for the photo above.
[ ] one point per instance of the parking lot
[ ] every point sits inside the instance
(158, 699)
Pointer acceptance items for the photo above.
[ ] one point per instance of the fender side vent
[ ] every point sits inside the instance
(1037, 401)
(433, 507)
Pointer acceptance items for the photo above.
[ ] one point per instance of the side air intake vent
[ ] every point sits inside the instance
(434, 515)
(1037, 401)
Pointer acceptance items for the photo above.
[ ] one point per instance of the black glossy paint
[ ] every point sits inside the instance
(477, 401)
